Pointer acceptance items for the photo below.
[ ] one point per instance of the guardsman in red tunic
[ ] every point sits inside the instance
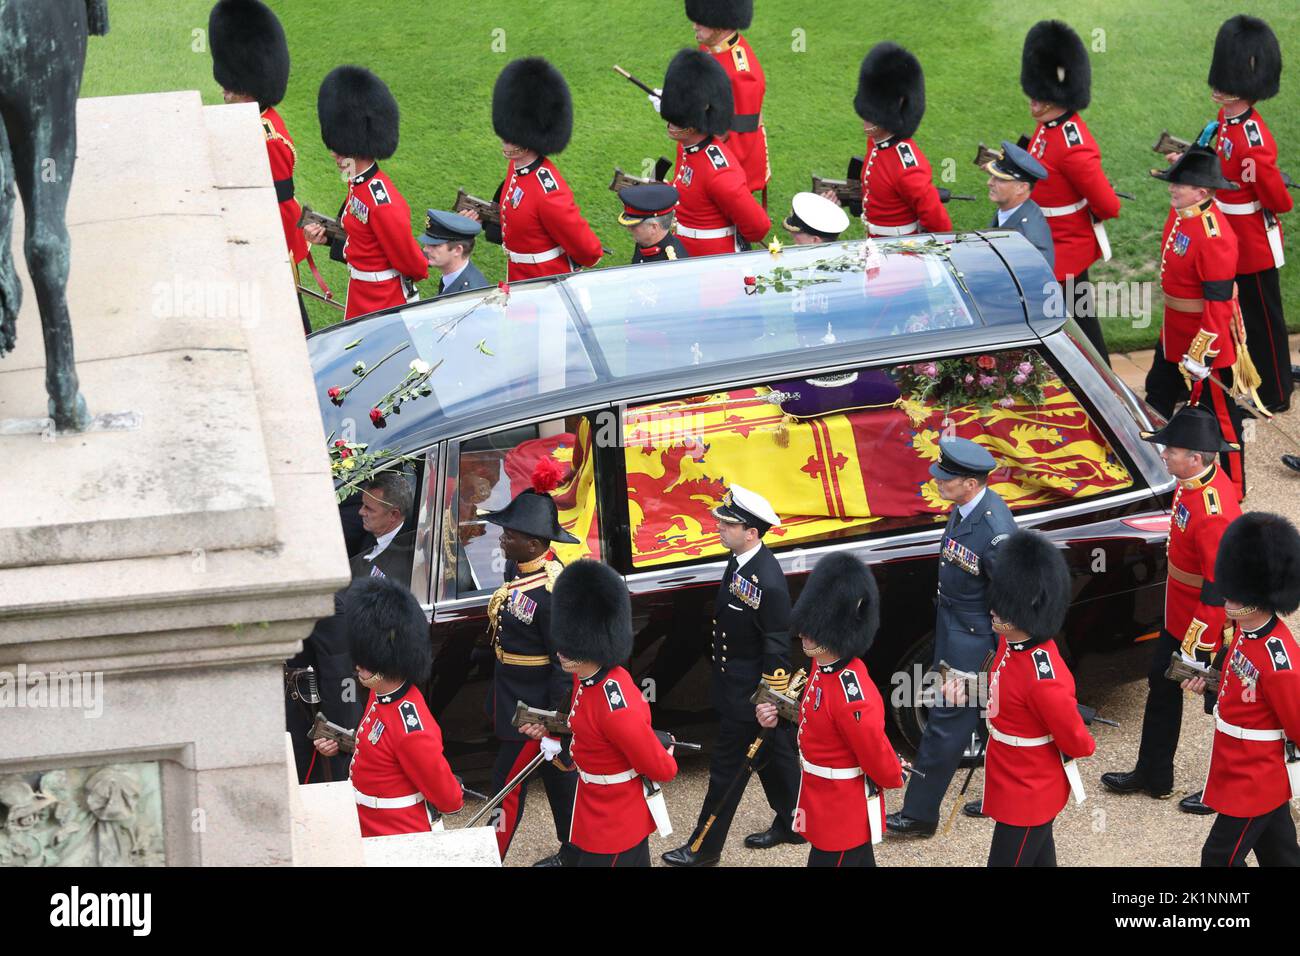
(1075, 197)
(1254, 769)
(1205, 503)
(717, 213)
(621, 760)
(358, 122)
(898, 193)
(542, 230)
(250, 60)
(1247, 67)
(527, 668)
(400, 777)
(1202, 333)
(1035, 731)
(846, 759)
(717, 30)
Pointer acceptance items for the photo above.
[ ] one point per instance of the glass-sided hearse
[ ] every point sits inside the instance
(820, 376)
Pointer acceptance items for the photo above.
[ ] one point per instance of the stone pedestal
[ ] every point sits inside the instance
(164, 572)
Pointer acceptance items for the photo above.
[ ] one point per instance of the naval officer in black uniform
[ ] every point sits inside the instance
(963, 632)
(448, 242)
(648, 213)
(751, 640)
(1011, 180)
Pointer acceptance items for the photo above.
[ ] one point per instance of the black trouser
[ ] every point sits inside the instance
(1166, 387)
(638, 855)
(1162, 720)
(1023, 846)
(858, 856)
(1084, 301)
(778, 771)
(1271, 836)
(1260, 297)
(561, 789)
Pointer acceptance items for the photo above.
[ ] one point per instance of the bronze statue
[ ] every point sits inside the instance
(42, 52)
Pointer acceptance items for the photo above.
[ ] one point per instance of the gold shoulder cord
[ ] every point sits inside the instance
(553, 569)
(495, 603)
(271, 134)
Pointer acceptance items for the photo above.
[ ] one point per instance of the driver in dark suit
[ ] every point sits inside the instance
(389, 549)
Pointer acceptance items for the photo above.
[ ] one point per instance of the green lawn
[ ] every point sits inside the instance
(441, 66)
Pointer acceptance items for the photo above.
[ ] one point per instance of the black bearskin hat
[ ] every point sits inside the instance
(1029, 584)
(591, 614)
(1247, 60)
(721, 14)
(1259, 562)
(358, 115)
(891, 89)
(387, 631)
(1054, 66)
(249, 52)
(839, 607)
(697, 94)
(532, 107)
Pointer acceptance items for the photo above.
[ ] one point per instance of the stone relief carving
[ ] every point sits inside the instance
(85, 816)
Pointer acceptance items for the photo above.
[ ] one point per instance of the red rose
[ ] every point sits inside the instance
(340, 443)
(504, 287)
(751, 280)
(987, 361)
(333, 393)
(377, 418)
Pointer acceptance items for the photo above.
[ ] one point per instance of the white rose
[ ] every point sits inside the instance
(420, 367)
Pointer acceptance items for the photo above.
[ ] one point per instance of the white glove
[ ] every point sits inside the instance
(1191, 659)
(654, 98)
(551, 748)
(1197, 370)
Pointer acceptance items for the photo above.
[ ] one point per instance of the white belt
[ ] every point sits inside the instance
(1050, 211)
(1239, 208)
(387, 803)
(607, 778)
(373, 276)
(535, 257)
(1245, 733)
(1012, 741)
(690, 233)
(906, 230)
(831, 773)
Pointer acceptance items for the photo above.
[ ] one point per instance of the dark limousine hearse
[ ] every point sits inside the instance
(820, 376)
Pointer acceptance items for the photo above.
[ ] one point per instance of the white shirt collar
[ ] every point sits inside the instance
(742, 558)
(383, 542)
(451, 277)
(1005, 214)
(970, 506)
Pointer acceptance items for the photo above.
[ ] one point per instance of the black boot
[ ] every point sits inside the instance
(1132, 782)
(899, 824)
(1192, 804)
(685, 856)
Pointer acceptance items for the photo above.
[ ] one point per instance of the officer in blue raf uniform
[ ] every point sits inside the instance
(448, 242)
(649, 214)
(963, 632)
(1011, 180)
(751, 640)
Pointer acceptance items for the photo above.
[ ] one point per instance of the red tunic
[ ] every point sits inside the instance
(1260, 690)
(748, 137)
(1248, 156)
(610, 721)
(377, 221)
(1198, 260)
(1074, 174)
(898, 194)
(1202, 510)
(842, 726)
(714, 197)
(539, 218)
(1031, 694)
(399, 753)
(280, 151)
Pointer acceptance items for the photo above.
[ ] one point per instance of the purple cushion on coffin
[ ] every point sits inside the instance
(835, 393)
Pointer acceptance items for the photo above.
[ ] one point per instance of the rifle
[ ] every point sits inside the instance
(623, 180)
(984, 154)
(1179, 671)
(1168, 143)
(333, 228)
(323, 728)
(488, 212)
(633, 80)
(324, 298)
(849, 191)
(292, 675)
(557, 723)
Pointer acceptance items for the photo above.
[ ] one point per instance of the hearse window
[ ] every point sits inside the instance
(495, 350)
(848, 455)
(668, 315)
(489, 471)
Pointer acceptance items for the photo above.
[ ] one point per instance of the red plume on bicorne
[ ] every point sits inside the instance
(547, 475)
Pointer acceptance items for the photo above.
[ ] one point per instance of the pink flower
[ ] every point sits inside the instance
(930, 369)
(1024, 368)
(1020, 379)
(987, 380)
(377, 418)
(969, 379)
(1006, 402)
